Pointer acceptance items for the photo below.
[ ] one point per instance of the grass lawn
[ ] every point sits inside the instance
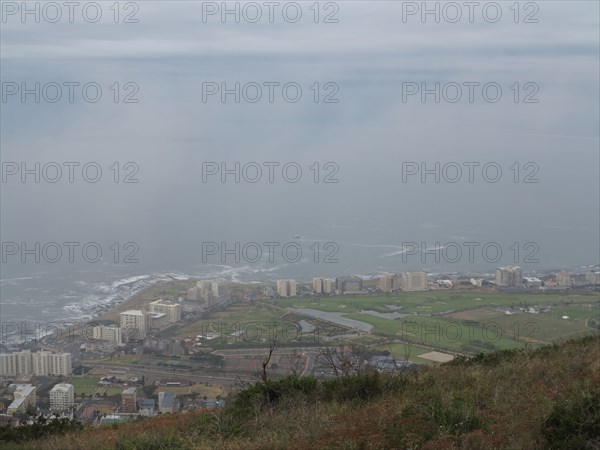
(434, 302)
(442, 333)
(114, 391)
(228, 320)
(84, 385)
(546, 327)
(426, 325)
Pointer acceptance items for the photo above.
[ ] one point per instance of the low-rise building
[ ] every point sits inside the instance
(167, 402)
(388, 363)
(147, 408)
(532, 281)
(448, 284)
(24, 397)
(129, 400)
(157, 320)
(476, 282)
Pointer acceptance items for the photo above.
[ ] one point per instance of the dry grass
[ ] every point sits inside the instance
(499, 401)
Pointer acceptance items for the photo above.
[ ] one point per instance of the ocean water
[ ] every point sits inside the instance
(69, 294)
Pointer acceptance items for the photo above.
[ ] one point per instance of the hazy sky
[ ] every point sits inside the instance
(367, 58)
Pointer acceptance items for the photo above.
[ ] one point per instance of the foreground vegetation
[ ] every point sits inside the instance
(511, 399)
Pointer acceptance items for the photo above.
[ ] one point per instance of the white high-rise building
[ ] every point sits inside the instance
(134, 324)
(318, 285)
(194, 294)
(17, 363)
(209, 291)
(592, 277)
(8, 366)
(62, 396)
(205, 291)
(563, 279)
(110, 333)
(60, 364)
(389, 282)
(216, 289)
(171, 309)
(286, 288)
(414, 281)
(322, 285)
(39, 363)
(509, 276)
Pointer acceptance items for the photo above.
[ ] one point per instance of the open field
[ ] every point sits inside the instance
(254, 325)
(465, 321)
(433, 302)
(544, 327)
(225, 322)
(113, 391)
(454, 321)
(441, 333)
(84, 385)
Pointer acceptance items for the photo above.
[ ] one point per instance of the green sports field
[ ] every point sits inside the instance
(84, 385)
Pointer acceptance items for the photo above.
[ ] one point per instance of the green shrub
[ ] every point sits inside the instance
(359, 388)
(289, 387)
(41, 428)
(574, 423)
(232, 422)
(152, 442)
(493, 359)
(456, 418)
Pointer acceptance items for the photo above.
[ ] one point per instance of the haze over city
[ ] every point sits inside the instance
(174, 173)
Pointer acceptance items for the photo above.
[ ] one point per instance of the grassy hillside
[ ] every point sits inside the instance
(513, 399)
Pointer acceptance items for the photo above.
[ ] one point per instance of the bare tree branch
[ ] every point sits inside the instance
(265, 364)
(345, 360)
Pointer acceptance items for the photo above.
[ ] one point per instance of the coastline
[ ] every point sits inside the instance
(159, 289)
